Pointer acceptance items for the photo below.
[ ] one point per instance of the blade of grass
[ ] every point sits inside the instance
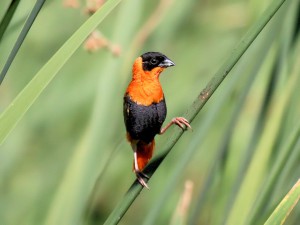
(8, 16)
(255, 174)
(258, 169)
(281, 160)
(275, 173)
(15, 111)
(291, 164)
(268, 69)
(198, 104)
(79, 185)
(250, 186)
(257, 57)
(195, 214)
(288, 42)
(257, 130)
(285, 207)
(32, 16)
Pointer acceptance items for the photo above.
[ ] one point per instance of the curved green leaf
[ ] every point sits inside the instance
(32, 16)
(285, 206)
(8, 16)
(15, 111)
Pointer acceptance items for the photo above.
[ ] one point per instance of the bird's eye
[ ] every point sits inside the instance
(153, 61)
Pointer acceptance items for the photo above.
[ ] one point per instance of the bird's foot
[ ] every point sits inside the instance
(140, 177)
(182, 122)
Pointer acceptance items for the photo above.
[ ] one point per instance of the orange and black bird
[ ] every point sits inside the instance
(145, 109)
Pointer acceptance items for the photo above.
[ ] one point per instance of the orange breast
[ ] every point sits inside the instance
(145, 93)
(145, 87)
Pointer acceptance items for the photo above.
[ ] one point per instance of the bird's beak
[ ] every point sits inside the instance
(166, 63)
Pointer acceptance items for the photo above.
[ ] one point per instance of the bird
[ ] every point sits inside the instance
(145, 110)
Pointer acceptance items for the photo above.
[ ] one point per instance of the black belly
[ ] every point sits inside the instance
(143, 122)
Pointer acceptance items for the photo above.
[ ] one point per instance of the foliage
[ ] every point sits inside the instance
(67, 162)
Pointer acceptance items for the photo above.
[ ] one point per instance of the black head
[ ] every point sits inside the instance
(155, 59)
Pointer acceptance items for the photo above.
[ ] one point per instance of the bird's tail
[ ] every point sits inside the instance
(144, 153)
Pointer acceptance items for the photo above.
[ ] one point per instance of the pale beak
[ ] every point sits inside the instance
(166, 63)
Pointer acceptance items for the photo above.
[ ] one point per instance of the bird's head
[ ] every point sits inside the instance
(151, 64)
(151, 60)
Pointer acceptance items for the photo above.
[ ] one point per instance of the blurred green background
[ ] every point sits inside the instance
(67, 161)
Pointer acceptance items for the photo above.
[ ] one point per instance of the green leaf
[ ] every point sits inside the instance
(247, 194)
(32, 16)
(8, 16)
(79, 188)
(15, 111)
(286, 152)
(285, 206)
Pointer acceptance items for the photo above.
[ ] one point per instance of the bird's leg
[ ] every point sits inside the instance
(139, 174)
(179, 121)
